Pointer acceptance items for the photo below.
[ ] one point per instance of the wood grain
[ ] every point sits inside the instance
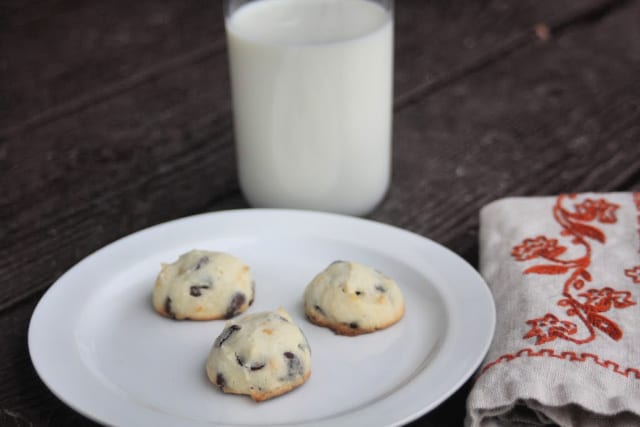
(70, 49)
(89, 156)
(61, 56)
(569, 123)
(112, 121)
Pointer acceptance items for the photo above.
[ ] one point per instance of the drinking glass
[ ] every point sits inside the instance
(311, 84)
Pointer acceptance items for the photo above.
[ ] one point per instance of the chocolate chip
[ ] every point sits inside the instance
(253, 367)
(235, 305)
(353, 325)
(318, 309)
(201, 262)
(195, 291)
(226, 334)
(381, 289)
(167, 308)
(257, 366)
(294, 365)
(220, 380)
(359, 293)
(240, 360)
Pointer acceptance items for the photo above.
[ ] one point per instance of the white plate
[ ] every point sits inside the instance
(98, 345)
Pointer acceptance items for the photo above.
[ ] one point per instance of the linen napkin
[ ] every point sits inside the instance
(565, 275)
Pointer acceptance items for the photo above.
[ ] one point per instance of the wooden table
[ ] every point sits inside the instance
(114, 116)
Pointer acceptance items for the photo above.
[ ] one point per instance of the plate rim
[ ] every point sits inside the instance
(342, 418)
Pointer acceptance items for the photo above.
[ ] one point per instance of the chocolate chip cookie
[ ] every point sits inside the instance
(262, 355)
(203, 285)
(352, 299)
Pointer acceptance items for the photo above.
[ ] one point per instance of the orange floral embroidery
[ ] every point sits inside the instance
(587, 306)
(538, 247)
(568, 356)
(549, 327)
(601, 210)
(633, 274)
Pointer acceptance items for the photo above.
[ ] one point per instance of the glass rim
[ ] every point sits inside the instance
(388, 5)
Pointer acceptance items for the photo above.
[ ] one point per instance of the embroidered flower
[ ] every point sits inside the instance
(602, 299)
(537, 247)
(591, 209)
(633, 274)
(587, 307)
(548, 328)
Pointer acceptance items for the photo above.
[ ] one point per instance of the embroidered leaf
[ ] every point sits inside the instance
(606, 325)
(547, 269)
(583, 262)
(576, 283)
(585, 274)
(588, 231)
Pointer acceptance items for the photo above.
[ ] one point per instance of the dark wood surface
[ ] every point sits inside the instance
(115, 116)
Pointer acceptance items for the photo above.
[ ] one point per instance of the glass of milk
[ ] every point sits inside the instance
(311, 83)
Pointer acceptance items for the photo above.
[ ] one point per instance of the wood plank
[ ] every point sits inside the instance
(61, 56)
(552, 117)
(169, 134)
(11, 7)
(58, 52)
(449, 38)
(122, 165)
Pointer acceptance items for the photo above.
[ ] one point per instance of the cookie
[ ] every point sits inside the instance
(353, 299)
(262, 355)
(203, 285)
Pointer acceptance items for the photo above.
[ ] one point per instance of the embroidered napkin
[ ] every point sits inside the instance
(565, 275)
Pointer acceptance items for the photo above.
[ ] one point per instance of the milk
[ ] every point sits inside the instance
(312, 100)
